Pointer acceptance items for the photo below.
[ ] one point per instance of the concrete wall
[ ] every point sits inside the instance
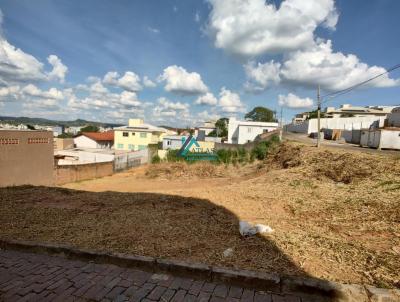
(394, 118)
(83, 157)
(346, 123)
(381, 138)
(73, 173)
(63, 143)
(26, 157)
(128, 160)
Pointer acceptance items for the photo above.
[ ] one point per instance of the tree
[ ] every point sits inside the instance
(89, 128)
(261, 114)
(65, 135)
(221, 128)
(314, 114)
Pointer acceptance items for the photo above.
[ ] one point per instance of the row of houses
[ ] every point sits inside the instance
(372, 126)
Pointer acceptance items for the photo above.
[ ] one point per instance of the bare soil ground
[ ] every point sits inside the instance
(336, 214)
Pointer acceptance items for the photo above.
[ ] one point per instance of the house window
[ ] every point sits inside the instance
(249, 130)
(168, 143)
(133, 133)
(131, 147)
(125, 133)
(142, 147)
(120, 146)
(143, 134)
(265, 130)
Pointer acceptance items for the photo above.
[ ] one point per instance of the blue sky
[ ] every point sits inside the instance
(202, 59)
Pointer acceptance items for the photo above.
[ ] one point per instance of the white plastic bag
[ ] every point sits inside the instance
(246, 229)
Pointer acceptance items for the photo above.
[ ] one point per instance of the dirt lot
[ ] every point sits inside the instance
(336, 214)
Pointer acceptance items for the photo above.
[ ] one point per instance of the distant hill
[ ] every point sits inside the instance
(45, 122)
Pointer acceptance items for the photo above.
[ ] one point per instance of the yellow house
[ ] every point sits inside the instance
(137, 135)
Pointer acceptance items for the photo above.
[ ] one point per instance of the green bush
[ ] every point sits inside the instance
(172, 156)
(156, 159)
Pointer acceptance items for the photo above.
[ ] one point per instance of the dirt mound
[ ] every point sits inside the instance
(339, 166)
(286, 156)
(342, 167)
(185, 170)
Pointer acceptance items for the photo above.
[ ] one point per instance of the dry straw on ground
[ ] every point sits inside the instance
(336, 214)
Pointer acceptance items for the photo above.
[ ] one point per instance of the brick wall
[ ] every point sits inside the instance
(72, 173)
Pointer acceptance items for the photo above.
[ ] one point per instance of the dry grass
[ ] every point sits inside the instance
(336, 214)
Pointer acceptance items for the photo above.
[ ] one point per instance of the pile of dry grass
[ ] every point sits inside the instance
(185, 170)
(339, 165)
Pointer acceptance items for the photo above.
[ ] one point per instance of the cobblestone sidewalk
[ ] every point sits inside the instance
(32, 277)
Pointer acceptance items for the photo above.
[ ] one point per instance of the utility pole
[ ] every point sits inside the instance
(319, 117)
(281, 131)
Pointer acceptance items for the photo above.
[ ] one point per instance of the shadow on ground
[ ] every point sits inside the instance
(157, 225)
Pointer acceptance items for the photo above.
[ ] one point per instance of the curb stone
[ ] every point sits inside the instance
(311, 288)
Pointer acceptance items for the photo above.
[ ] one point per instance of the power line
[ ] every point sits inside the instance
(346, 90)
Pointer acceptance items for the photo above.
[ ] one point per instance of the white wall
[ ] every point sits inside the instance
(84, 157)
(84, 142)
(346, 123)
(384, 139)
(390, 139)
(394, 119)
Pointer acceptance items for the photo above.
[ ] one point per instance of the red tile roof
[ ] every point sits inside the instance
(100, 136)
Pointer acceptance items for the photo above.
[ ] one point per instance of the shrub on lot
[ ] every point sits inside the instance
(156, 159)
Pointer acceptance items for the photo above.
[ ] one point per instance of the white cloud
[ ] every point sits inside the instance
(33, 91)
(153, 30)
(148, 83)
(255, 27)
(9, 93)
(129, 98)
(129, 81)
(182, 82)
(19, 67)
(206, 99)
(261, 76)
(59, 69)
(197, 17)
(167, 108)
(230, 101)
(332, 70)
(295, 102)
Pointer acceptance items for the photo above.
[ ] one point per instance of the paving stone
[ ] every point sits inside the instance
(262, 297)
(209, 287)
(248, 295)
(235, 292)
(196, 287)
(189, 298)
(167, 295)
(179, 296)
(34, 277)
(156, 293)
(203, 297)
(220, 291)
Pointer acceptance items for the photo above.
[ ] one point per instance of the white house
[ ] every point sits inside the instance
(241, 132)
(95, 140)
(347, 110)
(173, 142)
